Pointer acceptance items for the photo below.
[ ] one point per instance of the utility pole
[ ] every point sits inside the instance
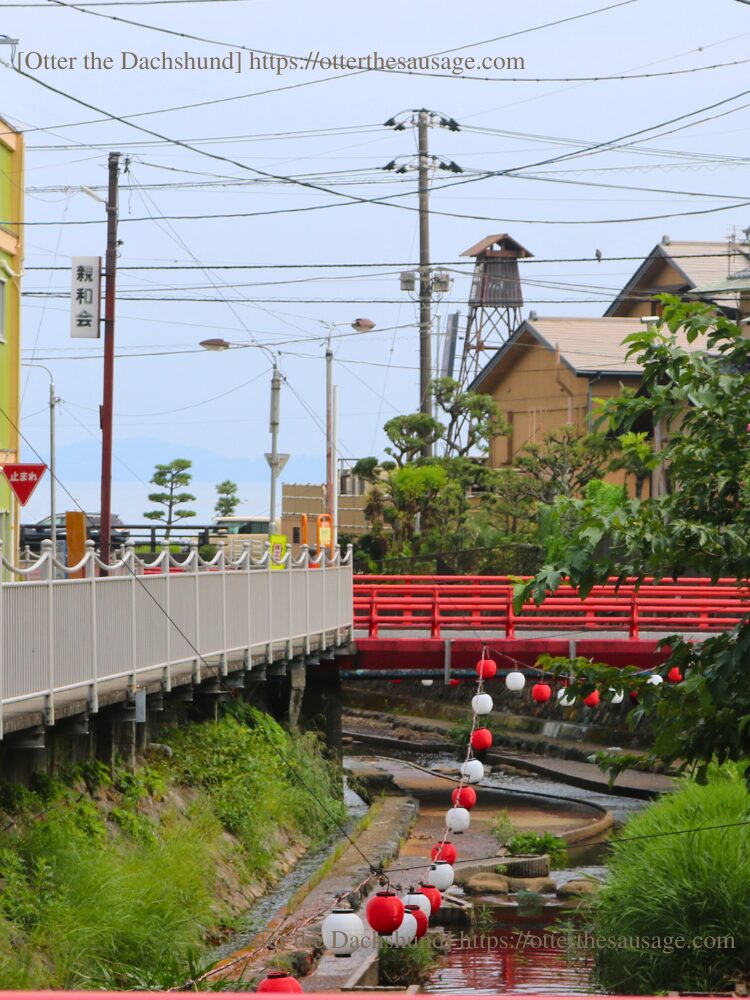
(105, 413)
(422, 120)
(425, 278)
(275, 461)
(330, 432)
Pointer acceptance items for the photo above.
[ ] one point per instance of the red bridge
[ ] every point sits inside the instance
(435, 625)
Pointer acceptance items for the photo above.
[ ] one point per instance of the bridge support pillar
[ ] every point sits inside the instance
(321, 706)
(297, 685)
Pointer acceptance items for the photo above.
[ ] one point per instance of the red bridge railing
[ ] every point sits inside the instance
(437, 604)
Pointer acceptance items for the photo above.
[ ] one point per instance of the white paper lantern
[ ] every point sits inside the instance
(472, 771)
(617, 696)
(655, 679)
(427, 682)
(418, 899)
(405, 933)
(342, 932)
(457, 819)
(482, 704)
(565, 698)
(440, 875)
(515, 681)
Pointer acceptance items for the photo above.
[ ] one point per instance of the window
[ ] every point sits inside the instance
(296, 536)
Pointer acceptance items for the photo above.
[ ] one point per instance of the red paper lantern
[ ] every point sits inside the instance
(434, 895)
(541, 692)
(454, 682)
(592, 700)
(421, 917)
(674, 675)
(444, 852)
(486, 669)
(481, 739)
(395, 680)
(464, 797)
(279, 982)
(385, 911)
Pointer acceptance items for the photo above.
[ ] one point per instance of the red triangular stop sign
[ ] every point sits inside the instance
(23, 479)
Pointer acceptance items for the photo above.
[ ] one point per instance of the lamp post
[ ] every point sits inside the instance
(359, 326)
(53, 401)
(275, 460)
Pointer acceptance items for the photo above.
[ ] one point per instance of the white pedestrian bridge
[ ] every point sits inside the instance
(75, 637)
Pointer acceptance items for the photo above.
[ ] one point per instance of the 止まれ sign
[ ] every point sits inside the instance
(85, 296)
(23, 479)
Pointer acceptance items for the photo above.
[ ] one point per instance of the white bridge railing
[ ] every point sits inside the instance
(67, 632)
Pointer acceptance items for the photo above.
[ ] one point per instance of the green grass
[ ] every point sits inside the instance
(406, 966)
(124, 890)
(519, 841)
(681, 886)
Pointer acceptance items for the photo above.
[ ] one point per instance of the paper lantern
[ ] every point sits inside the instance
(675, 675)
(655, 679)
(541, 692)
(440, 874)
(465, 797)
(454, 682)
(592, 700)
(427, 682)
(515, 681)
(385, 911)
(444, 851)
(279, 982)
(421, 917)
(434, 896)
(481, 704)
(395, 680)
(486, 669)
(405, 933)
(457, 819)
(481, 739)
(472, 771)
(565, 699)
(617, 696)
(342, 931)
(420, 898)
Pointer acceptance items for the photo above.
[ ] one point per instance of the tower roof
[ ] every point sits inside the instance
(504, 245)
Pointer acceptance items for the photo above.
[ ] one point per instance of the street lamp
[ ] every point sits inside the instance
(274, 459)
(53, 401)
(360, 325)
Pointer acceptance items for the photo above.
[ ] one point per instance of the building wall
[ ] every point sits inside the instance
(660, 277)
(308, 498)
(11, 263)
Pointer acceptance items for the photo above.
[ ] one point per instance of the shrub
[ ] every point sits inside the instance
(684, 886)
(406, 966)
(527, 842)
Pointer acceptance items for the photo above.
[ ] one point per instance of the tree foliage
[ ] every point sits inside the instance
(228, 499)
(565, 461)
(698, 386)
(172, 478)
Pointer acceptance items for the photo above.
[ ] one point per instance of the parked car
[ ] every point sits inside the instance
(32, 535)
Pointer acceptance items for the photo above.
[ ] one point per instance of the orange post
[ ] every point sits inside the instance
(75, 533)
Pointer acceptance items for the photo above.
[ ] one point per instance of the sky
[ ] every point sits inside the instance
(303, 257)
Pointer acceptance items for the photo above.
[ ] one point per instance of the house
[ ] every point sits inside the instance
(713, 271)
(11, 263)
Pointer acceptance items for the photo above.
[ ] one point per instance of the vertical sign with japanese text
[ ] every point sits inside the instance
(85, 296)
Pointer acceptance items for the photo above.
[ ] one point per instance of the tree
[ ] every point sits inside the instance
(475, 412)
(172, 478)
(409, 434)
(636, 457)
(701, 393)
(227, 501)
(563, 463)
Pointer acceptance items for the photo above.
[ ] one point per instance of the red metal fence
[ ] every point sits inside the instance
(437, 604)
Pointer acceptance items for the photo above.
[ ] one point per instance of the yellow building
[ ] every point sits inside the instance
(11, 263)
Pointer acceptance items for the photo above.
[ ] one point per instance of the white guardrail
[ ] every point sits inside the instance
(67, 631)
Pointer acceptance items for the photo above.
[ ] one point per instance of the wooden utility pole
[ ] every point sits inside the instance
(105, 412)
(425, 277)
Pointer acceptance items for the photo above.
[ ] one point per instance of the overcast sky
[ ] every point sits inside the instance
(174, 400)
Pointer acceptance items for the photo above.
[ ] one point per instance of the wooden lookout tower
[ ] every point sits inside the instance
(495, 301)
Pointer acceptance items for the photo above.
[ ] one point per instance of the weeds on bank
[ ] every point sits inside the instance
(116, 885)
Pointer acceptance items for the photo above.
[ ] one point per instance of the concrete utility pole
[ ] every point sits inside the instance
(105, 412)
(275, 461)
(425, 278)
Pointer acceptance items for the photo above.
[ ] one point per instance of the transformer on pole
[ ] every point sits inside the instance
(495, 301)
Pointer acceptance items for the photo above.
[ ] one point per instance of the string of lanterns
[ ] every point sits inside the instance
(401, 920)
